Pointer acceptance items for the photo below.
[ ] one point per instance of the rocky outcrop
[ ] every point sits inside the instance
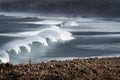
(77, 69)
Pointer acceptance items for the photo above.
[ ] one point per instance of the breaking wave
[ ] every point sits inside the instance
(34, 43)
(69, 23)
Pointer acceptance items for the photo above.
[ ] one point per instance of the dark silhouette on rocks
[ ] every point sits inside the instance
(30, 61)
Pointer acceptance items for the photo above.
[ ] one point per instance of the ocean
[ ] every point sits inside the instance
(56, 37)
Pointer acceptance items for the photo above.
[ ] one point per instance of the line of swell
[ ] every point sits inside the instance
(94, 33)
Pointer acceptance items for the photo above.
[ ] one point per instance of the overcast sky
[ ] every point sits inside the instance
(66, 0)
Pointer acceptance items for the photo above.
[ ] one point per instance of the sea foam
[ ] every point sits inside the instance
(35, 43)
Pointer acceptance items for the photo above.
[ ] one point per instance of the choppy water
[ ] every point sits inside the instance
(46, 38)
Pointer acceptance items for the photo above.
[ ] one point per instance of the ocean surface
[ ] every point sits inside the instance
(56, 37)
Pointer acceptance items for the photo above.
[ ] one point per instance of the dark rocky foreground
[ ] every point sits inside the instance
(77, 69)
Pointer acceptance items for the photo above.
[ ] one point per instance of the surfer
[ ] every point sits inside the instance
(30, 61)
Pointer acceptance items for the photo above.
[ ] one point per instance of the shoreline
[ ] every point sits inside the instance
(107, 68)
(47, 59)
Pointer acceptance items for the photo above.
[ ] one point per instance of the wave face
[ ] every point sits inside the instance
(4, 57)
(34, 43)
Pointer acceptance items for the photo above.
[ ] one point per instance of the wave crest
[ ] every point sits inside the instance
(35, 44)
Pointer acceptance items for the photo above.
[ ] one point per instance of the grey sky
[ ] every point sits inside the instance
(67, 0)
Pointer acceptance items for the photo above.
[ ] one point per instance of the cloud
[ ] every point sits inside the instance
(113, 1)
(7, 0)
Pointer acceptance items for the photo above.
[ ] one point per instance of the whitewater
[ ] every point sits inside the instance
(32, 42)
(46, 38)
